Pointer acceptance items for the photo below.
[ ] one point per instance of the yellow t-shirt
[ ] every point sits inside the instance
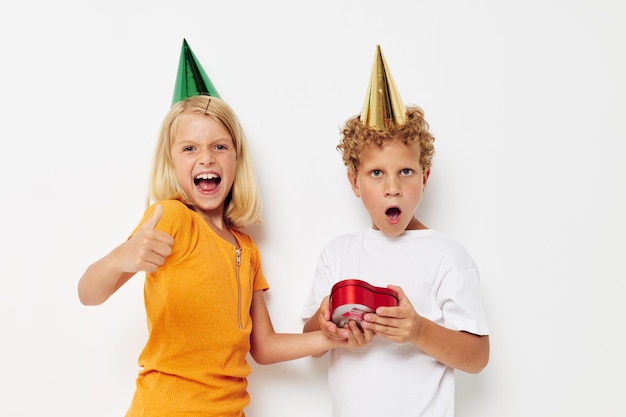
(198, 312)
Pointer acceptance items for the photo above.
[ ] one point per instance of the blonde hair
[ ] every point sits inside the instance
(243, 204)
(355, 136)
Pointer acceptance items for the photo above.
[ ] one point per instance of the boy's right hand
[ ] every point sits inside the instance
(147, 249)
(352, 334)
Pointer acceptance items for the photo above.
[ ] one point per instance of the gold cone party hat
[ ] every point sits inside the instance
(383, 107)
(191, 79)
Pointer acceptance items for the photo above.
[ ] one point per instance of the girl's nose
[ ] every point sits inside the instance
(207, 158)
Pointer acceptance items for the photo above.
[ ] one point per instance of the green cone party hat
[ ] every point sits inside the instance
(383, 108)
(191, 79)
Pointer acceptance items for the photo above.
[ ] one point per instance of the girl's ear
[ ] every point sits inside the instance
(354, 183)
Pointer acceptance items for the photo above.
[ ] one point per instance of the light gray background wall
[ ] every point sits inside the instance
(526, 100)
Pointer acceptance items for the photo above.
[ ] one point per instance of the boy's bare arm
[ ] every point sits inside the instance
(461, 350)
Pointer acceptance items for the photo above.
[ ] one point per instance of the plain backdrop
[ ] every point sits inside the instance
(526, 101)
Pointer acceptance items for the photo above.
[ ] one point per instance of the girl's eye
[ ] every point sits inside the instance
(220, 147)
(406, 171)
(188, 148)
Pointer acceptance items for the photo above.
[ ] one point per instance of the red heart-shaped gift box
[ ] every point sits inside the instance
(350, 299)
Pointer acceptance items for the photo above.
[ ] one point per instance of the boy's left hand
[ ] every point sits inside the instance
(399, 324)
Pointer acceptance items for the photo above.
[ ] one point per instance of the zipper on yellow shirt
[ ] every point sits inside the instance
(238, 262)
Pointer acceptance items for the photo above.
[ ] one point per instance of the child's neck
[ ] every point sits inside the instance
(218, 225)
(415, 224)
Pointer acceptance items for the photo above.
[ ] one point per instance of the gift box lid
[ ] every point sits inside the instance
(356, 291)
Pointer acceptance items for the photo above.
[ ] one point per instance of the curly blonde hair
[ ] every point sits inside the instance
(355, 136)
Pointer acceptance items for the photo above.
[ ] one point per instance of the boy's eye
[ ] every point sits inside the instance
(377, 173)
(406, 171)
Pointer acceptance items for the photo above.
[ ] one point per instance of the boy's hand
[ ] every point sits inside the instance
(351, 335)
(357, 335)
(399, 324)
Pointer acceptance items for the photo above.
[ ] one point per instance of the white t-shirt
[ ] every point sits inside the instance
(442, 283)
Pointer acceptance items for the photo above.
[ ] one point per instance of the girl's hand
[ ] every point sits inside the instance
(328, 327)
(147, 249)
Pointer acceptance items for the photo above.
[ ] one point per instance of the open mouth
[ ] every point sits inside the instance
(207, 182)
(393, 213)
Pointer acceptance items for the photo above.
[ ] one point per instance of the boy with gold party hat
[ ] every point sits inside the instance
(439, 324)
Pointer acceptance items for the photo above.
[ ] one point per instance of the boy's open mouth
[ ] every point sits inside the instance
(207, 182)
(393, 213)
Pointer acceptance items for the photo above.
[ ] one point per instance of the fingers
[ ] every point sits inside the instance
(356, 335)
(143, 254)
(360, 334)
(325, 308)
(402, 310)
(351, 335)
(148, 248)
(155, 255)
(330, 329)
(154, 220)
(148, 230)
(400, 323)
(159, 242)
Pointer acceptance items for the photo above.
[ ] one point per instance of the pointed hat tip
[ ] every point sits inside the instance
(383, 107)
(191, 79)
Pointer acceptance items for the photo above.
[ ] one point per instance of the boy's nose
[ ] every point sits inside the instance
(392, 188)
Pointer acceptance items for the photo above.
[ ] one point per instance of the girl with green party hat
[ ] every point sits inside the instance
(204, 285)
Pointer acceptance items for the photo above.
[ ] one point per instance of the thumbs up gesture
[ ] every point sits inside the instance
(147, 249)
